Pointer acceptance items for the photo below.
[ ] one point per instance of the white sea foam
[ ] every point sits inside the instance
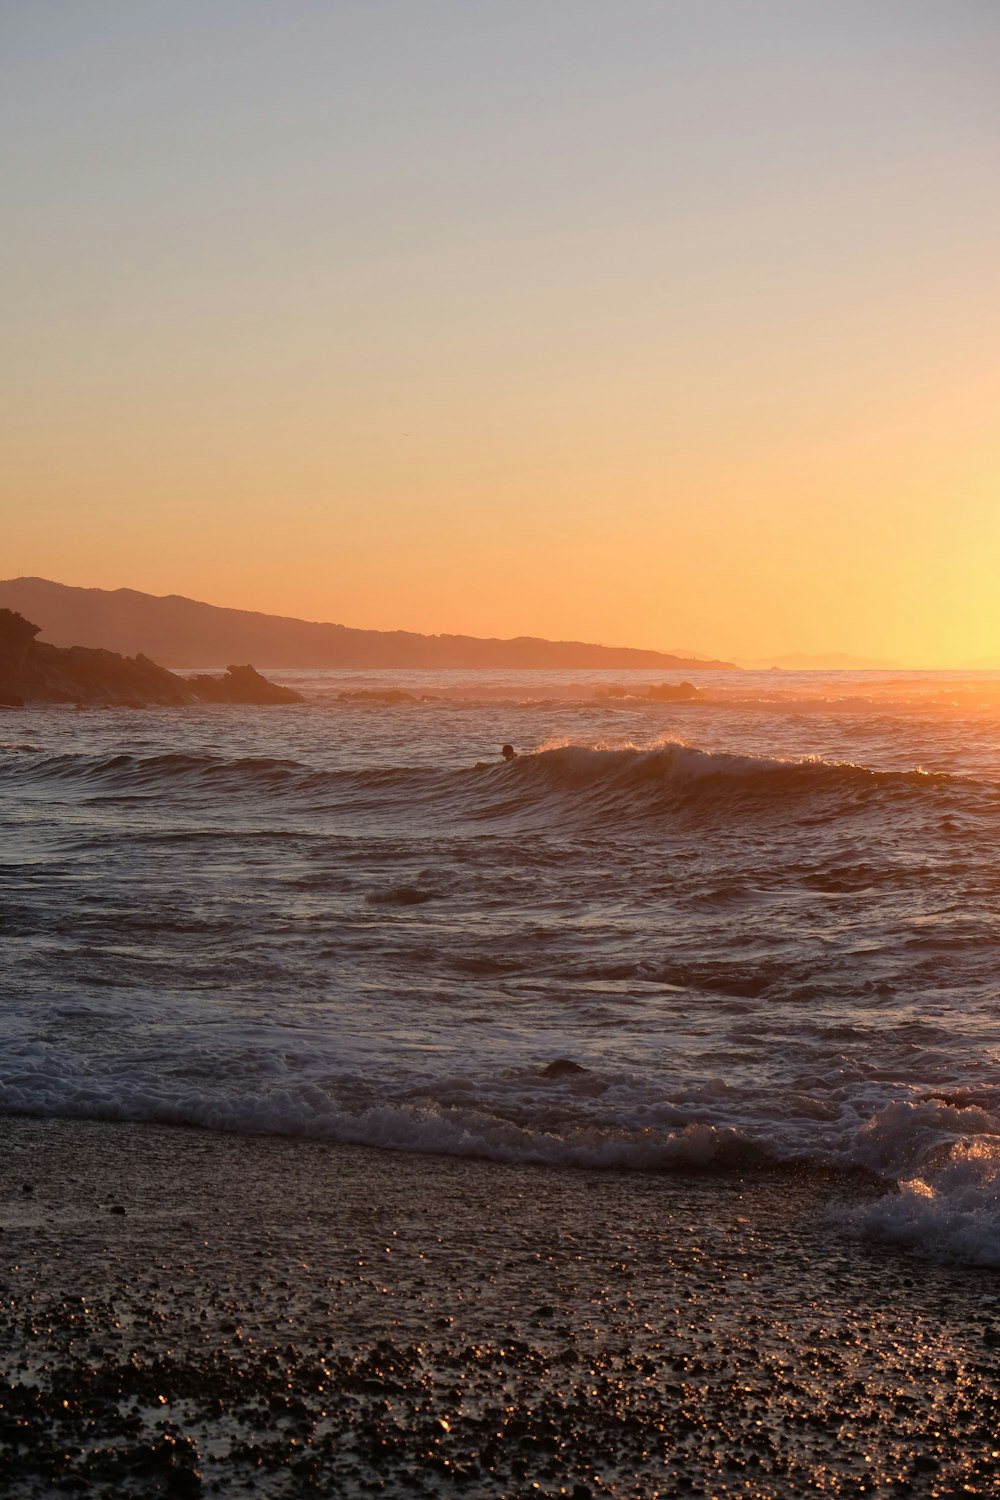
(951, 1211)
(940, 1162)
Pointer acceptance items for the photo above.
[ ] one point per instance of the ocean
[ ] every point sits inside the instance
(755, 928)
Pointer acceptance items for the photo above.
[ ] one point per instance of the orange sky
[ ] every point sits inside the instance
(668, 324)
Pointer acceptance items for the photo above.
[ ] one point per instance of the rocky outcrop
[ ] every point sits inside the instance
(32, 671)
(562, 1067)
(17, 643)
(659, 692)
(673, 692)
(241, 685)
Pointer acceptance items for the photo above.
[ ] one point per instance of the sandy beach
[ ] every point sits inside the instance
(186, 1312)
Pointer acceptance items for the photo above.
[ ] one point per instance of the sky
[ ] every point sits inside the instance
(666, 323)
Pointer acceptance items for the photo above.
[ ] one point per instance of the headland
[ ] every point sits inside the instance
(32, 671)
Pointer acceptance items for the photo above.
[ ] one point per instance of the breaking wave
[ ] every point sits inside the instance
(580, 782)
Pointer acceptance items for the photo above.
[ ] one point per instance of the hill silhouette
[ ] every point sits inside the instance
(179, 632)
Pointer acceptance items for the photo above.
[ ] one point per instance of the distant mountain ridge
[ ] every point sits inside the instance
(179, 632)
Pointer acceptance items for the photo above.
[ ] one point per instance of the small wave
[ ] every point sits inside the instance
(946, 1158)
(130, 768)
(401, 895)
(627, 783)
(672, 761)
(299, 1108)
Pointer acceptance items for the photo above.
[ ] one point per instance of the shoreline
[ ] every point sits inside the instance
(188, 1312)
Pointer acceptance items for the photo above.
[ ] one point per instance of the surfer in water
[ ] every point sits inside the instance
(508, 752)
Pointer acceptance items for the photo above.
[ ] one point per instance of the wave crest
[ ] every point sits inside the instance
(559, 782)
(670, 777)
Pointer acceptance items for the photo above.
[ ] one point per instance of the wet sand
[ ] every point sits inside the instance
(190, 1313)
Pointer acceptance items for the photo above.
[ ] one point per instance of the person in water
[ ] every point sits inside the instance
(508, 752)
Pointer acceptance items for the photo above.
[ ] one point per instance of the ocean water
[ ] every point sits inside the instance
(764, 926)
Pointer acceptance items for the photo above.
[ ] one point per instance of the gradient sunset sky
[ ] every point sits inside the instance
(667, 323)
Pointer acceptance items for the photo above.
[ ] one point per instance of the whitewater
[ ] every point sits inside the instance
(755, 928)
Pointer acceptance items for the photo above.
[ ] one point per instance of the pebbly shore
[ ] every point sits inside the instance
(189, 1313)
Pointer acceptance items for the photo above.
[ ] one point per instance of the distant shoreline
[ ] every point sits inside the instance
(186, 632)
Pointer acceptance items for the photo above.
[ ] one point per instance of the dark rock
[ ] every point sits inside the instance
(17, 635)
(241, 685)
(561, 1067)
(673, 692)
(662, 692)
